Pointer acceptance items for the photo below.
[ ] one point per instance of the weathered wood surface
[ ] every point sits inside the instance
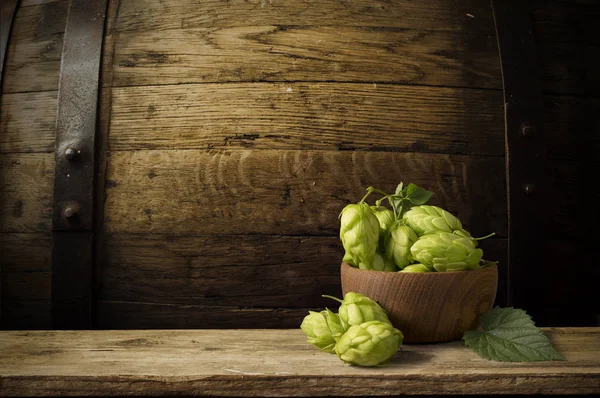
(286, 192)
(136, 315)
(25, 279)
(308, 116)
(196, 271)
(305, 53)
(273, 363)
(34, 52)
(313, 116)
(26, 192)
(564, 33)
(442, 15)
(28, 121)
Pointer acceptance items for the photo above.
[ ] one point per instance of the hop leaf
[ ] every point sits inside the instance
(509, 335)
(369, 344)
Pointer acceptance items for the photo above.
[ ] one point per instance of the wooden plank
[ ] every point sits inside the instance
(131, 315)
(33, 59)
(242, 271)
(287, 192)
(273, 363)
(27, 3)
(25, 286)
(28, 122)
(442, 15)
(306, 53)
(308, 116)
(25, 280)
(26, 182)
(25, 252)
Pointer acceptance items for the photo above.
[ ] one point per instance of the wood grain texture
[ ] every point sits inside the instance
(269, 271)
(442, 15)
(242, 271)
(132, 315)
(305, 53)
(25, 252)
(25, 280)
(34, 52)
(273, 363)
(286, 192)
(28, 121)
(26, 185)
(308, 116)
(427, 307)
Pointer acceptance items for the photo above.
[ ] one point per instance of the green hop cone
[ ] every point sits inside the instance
(398, 243)
(369, 344)
(381, 263)
(385, 217)
(426, 219)
(357, 308)
(386, 220)
(416, 268)
(446, 251)
(348, 259)
(359, 232)
(323, 329)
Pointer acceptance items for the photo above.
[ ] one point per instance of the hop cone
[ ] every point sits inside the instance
(369, 344)
(446, 251)
(356, 309)
(398, 243)
(386, 220)
(385, 217)
(323, 329)
(359, 232)
(381, 263)
(416, 268)
(426, 219)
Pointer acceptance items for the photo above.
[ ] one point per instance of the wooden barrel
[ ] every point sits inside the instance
(231, 134)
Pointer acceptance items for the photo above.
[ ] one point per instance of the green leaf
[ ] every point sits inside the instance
(419, 196)
(509, 335)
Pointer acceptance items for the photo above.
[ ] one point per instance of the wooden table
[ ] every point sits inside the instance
(272, 363)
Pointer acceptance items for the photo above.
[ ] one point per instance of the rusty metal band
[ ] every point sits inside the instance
(525, 155)
(7, 13)
(72, 257)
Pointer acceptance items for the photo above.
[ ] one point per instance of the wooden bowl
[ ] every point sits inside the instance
(427, 307)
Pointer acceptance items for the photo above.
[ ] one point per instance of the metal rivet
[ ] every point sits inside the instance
(529, 188)
(70, 212)
(72, 153)
(526, 130)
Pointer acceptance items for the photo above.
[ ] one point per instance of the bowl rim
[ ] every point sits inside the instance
(485, 265)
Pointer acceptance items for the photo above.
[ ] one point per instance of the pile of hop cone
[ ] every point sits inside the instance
(409, 236)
